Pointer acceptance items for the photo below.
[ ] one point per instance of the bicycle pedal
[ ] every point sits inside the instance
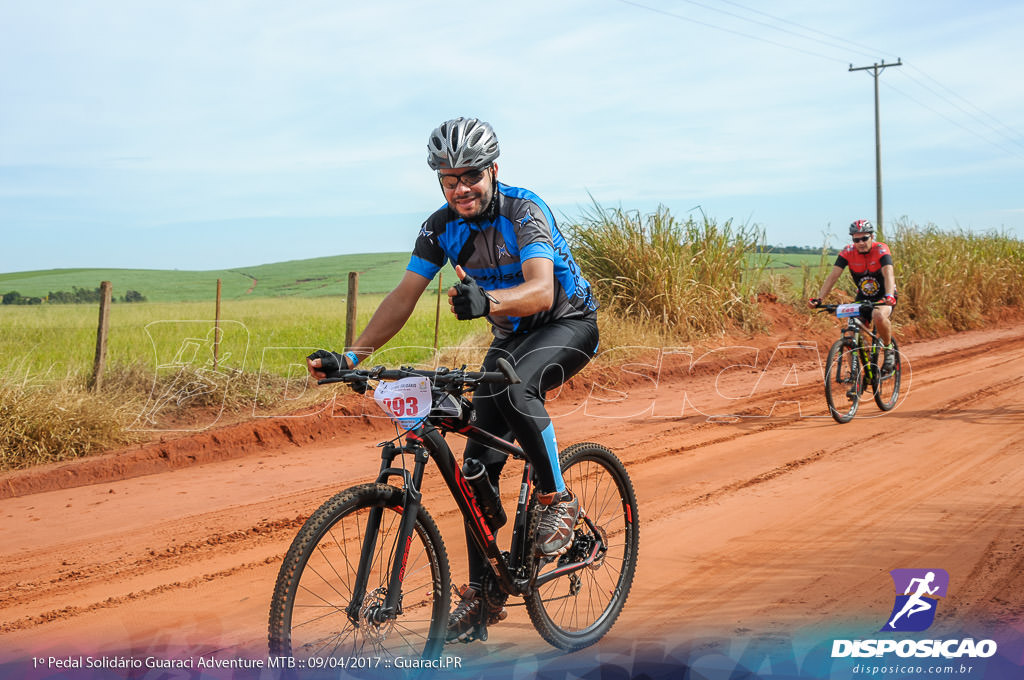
(478, 633)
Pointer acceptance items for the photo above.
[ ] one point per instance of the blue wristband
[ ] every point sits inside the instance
(352, 357)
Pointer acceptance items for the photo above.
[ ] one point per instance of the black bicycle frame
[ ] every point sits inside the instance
(856, 326)
(426, 442)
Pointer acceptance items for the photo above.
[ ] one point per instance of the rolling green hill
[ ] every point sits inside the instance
(378, 273)
(322, 276)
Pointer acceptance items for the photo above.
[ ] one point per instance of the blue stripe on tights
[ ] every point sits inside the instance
(551, 445)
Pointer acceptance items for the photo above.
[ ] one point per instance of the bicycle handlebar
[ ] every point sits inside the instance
(832, 308)
(441, 377)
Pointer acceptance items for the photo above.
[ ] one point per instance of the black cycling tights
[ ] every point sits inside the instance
(544, 359)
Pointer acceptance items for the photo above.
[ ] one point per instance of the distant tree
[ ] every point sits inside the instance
(13, 298)
(84, 295)
(134, 296)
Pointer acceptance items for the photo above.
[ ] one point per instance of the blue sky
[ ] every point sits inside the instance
(207, 135)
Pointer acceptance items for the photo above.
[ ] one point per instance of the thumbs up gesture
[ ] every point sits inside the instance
(467, 299)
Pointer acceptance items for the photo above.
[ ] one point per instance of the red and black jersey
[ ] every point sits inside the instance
(866, 269)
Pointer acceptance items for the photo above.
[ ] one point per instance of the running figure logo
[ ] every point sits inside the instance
(921, 589)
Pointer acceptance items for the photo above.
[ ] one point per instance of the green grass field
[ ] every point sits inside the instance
(265, 311)
(795, 260)
(58, 342)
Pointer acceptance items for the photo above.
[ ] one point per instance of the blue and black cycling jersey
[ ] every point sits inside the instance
(492, 249)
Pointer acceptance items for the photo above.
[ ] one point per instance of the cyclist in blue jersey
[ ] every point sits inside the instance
(516, 269)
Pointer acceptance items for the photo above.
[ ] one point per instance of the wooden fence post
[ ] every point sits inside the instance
(350, 314)
(216, 330)
(96, 382)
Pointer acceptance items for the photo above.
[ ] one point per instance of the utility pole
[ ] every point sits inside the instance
(876, 69)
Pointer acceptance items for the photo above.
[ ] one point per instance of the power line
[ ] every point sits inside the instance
(1012, 152)
(868, 51)
(727, 30)
(775, 28)
(1004, 130)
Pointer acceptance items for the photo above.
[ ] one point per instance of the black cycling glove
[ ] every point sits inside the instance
(331, 363)
(471, 301)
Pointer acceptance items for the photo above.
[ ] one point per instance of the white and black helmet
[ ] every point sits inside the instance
(861, 227)
(462, 143)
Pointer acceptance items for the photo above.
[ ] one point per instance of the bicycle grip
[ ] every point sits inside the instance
(510, 373)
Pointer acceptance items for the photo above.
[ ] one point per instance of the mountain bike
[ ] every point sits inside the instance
(367, 576)
(853, 365)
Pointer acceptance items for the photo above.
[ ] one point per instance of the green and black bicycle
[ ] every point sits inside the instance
(854, 364)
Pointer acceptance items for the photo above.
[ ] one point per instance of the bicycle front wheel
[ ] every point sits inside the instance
(887, 388)
(576, 610)
(320, 611)
(843, 378)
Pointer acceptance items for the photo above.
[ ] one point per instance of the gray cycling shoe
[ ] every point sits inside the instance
(889, 363)
(559, 515)
(467, 622)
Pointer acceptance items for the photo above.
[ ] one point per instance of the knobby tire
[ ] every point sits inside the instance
(887, 389)
(575, 611)
(308, 617)
(842, 374)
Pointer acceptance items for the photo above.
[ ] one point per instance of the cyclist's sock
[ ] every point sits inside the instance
(548, 434)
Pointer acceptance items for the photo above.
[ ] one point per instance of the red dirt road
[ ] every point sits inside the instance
(773, 524)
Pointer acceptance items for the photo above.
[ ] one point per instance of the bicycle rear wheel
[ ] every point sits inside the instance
(313, 614)
(887, 387)
(576, 610)
(843, 381)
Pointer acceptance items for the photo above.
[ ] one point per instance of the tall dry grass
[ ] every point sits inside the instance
(58, 418)
(691, 278)
(47, 425)
(955, 280)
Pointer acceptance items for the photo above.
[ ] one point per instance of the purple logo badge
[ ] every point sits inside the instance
(917, 596)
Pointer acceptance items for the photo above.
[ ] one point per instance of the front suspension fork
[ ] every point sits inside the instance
(410, 509)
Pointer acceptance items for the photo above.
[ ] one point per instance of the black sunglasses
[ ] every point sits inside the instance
(469, 178)
(862, 239)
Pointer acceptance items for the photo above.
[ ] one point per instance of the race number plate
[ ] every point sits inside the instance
(407, 401)
(848, 310)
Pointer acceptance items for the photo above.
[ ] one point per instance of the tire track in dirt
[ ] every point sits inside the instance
(112, 602)
(281, 530)
(168, 558)
(696, 481)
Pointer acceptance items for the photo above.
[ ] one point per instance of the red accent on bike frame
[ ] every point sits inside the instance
(405, 559)
(478, 515)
